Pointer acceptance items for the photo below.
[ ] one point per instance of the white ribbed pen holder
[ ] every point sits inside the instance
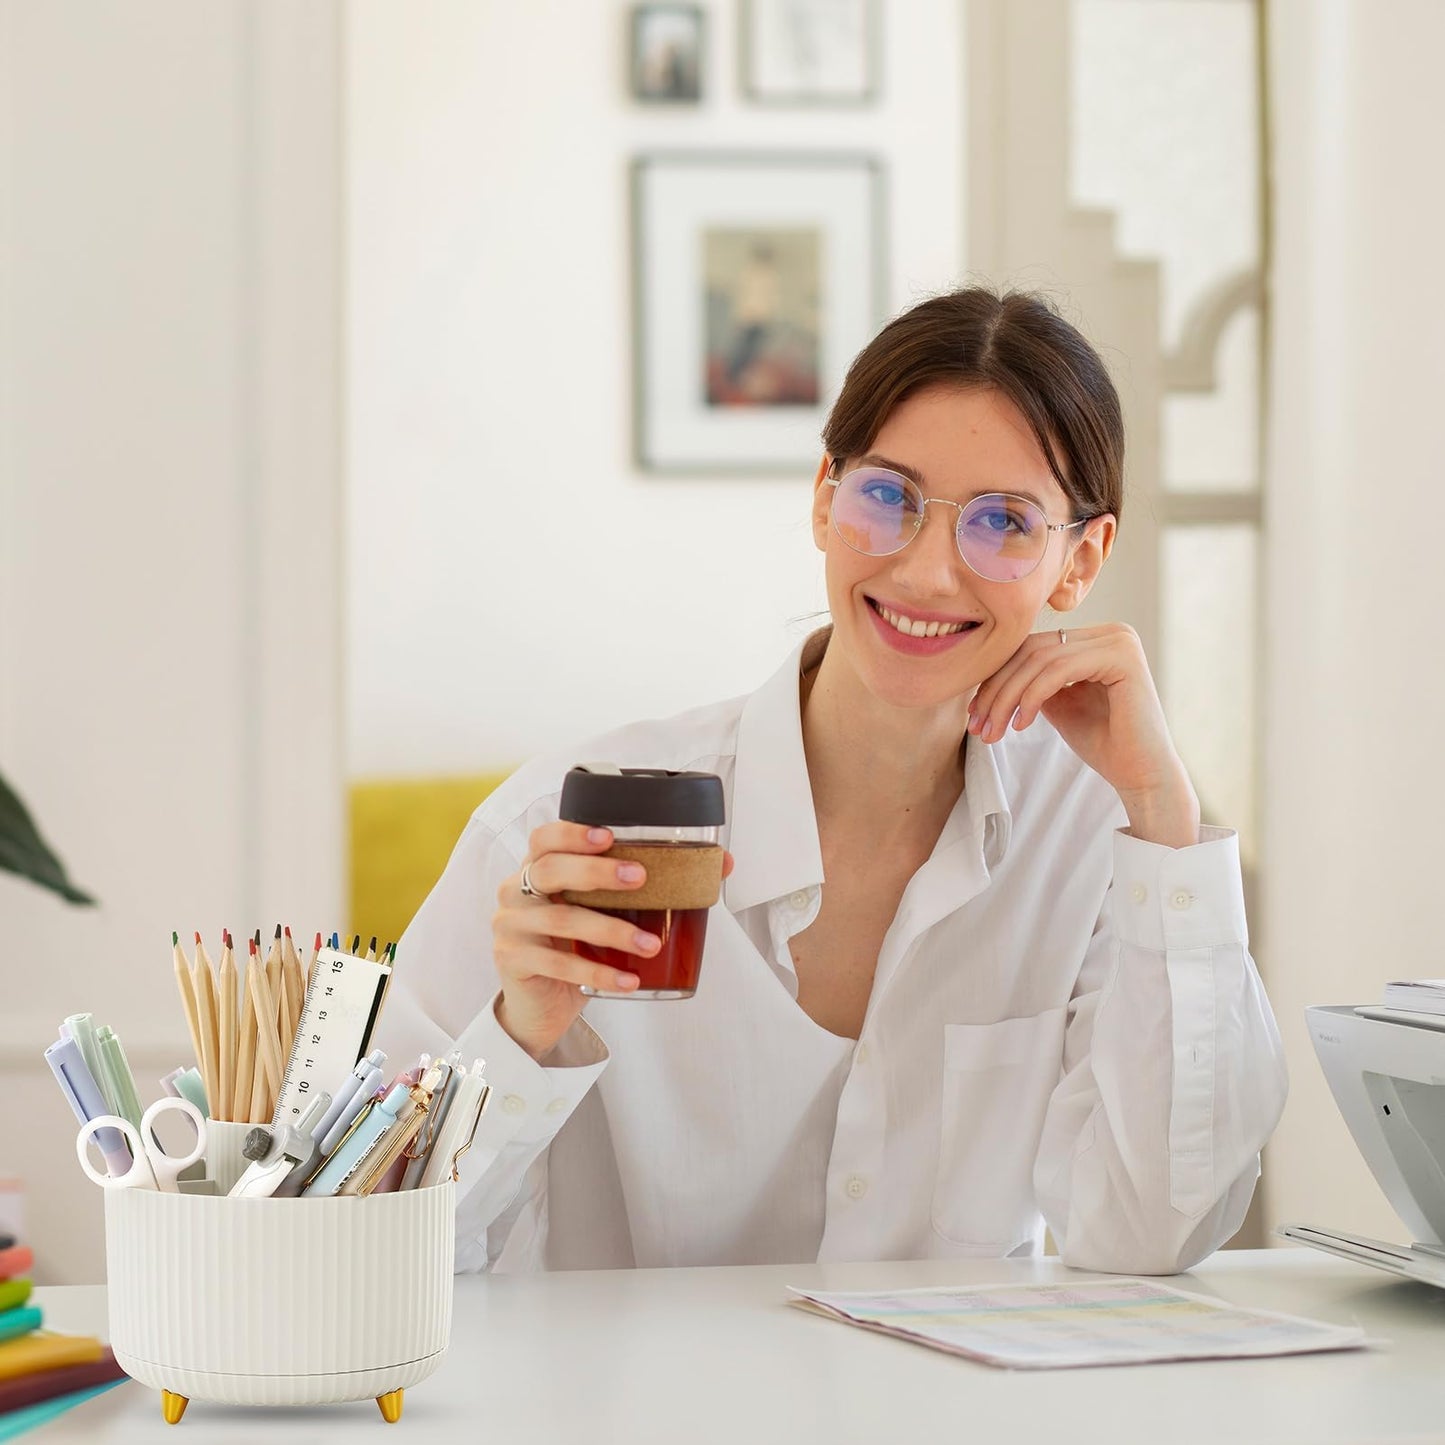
(279, 1301)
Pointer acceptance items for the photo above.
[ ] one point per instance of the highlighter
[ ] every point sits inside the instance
(117, 1079)
(83, 1095)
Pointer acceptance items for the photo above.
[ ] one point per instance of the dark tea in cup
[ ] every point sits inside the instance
(669, 822)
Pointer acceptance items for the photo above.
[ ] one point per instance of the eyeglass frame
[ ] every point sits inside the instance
(836, 481)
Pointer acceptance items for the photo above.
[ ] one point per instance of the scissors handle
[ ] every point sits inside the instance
(167, 1168)
(140, 1174)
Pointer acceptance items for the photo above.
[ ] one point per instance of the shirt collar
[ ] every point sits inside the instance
(773, 834)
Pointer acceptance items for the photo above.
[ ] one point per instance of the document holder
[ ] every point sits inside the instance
(280, 1301)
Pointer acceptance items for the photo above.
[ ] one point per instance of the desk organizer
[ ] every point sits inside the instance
(279, 1301)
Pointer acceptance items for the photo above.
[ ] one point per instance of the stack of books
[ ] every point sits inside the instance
(42, 1373)
(1416, 996)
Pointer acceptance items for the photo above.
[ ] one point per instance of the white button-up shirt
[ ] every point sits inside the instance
(1065, 1027)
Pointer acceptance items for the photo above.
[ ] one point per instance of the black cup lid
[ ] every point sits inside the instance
(642, 798)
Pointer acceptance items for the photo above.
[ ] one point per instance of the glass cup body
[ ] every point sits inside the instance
(673, 971)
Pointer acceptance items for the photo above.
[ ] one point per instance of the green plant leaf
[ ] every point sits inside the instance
(23, 850)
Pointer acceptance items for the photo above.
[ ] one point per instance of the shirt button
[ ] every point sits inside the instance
(1180, 899)
(799, 900)
(514, 1104)
(556, 1105)
(1140, 893)
(856, 1187)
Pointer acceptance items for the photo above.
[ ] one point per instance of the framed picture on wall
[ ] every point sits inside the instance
(809, 52)
(666, 53)
(756, 279)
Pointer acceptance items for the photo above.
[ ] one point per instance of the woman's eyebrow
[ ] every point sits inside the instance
(874, 459)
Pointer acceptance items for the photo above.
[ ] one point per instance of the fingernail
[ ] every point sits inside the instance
(630, 872)
(647, 942)
(597, 835)
(628, 980)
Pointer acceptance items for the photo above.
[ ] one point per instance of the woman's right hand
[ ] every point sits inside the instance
(532, 937)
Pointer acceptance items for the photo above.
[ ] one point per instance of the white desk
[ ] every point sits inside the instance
(693, 1356)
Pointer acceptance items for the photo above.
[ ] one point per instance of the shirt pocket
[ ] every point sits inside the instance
(997, 1079)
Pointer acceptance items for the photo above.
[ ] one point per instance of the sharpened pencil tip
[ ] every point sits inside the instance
(278, 930)
(198, 935)
(318, 943)
(288, 930)
(175, 938)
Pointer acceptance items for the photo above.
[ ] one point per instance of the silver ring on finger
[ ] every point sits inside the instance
(529, 889)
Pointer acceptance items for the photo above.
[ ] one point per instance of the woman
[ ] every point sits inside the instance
(977, 966)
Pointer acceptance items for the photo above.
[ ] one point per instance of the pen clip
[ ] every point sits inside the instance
(476, 1119)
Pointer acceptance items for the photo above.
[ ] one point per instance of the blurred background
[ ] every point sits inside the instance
(389, 393)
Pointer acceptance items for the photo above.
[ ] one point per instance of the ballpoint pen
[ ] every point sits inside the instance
(441, 1102)
(460, 1128)
(372, 1085)
(384, 1151)
(346, 1090)
(394, 1111)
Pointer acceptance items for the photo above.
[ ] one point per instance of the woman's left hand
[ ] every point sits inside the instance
(1097, 691)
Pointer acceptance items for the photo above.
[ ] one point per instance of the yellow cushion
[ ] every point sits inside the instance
(402, 831)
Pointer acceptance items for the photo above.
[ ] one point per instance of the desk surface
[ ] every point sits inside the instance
(702, 1355)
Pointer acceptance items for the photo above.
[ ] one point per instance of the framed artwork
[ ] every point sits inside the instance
(756, 280)
(667, 53)
(809, 52)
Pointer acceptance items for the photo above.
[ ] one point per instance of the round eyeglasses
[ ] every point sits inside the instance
(1001, 538)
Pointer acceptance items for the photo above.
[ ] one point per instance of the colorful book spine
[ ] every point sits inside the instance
(32, 1417)
(18, 1259)
(47, 1384)
(43, 1350)
(17, 1322)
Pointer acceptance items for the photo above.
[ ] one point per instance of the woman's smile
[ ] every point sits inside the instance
(918, 634)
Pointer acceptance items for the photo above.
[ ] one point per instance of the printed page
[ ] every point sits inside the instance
(1106, 1322)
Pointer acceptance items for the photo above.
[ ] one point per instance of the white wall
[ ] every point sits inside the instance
(169, 493)
(1355, 691)
(515, 583)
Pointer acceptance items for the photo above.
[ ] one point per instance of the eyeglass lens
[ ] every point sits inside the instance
(1001, 538)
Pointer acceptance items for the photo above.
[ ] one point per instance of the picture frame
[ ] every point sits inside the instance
(666, 53)
(809, 52)
(756, 280)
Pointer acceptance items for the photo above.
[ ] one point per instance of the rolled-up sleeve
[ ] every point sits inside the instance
(1174, 1074)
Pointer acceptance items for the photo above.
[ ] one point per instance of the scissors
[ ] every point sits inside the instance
(151, 1166)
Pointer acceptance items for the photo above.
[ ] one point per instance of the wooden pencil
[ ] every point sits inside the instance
(187, 989)
(246, 1047)
(294, 978)
(268, 1049)
(205, 984)
(226, 1030)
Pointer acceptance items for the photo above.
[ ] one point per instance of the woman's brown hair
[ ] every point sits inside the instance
(1016, 342)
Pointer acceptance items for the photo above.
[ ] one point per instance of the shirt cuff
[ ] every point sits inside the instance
(530, 1101)
(1177, 898)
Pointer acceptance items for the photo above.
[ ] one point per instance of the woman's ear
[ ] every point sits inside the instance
(822, 503)
(1085, 561)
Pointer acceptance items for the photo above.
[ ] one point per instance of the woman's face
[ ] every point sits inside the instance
(955, 443)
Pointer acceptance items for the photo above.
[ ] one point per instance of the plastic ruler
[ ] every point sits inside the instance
(343, 997)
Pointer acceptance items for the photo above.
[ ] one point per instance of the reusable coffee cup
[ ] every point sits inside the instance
(669, 822)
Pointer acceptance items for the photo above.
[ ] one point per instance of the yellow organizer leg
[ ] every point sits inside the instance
(173, 1407)
(390, 1405)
